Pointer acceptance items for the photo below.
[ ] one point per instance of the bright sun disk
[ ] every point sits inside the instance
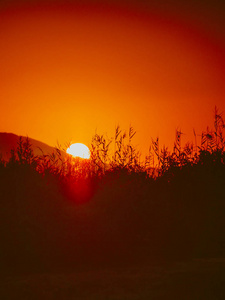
(79, 150)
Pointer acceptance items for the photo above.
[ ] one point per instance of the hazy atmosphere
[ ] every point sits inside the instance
(70, 69)
(84, 87)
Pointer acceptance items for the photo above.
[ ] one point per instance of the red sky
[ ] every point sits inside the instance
(68, 70)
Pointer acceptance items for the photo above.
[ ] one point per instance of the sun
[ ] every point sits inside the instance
(79, 150)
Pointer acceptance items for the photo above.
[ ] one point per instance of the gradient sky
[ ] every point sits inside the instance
(69, 70)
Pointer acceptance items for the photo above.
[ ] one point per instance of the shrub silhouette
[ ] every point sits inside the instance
(58, 211)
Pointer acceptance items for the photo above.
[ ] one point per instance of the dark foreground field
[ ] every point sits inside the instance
(194, 280)
(112, 228)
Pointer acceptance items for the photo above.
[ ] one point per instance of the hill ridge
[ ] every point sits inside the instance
(9, 141)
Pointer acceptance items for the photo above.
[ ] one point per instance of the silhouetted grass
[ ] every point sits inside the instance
(61, 212)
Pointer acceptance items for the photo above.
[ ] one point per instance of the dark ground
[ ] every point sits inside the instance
(196, 279)
(123, 236)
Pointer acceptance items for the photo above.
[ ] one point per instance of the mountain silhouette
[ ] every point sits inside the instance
(9, 141)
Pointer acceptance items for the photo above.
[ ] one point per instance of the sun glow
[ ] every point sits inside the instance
(79, 150)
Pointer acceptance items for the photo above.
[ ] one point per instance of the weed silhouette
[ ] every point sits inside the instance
(62, 212)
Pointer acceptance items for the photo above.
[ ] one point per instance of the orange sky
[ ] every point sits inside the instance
(67, 71)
